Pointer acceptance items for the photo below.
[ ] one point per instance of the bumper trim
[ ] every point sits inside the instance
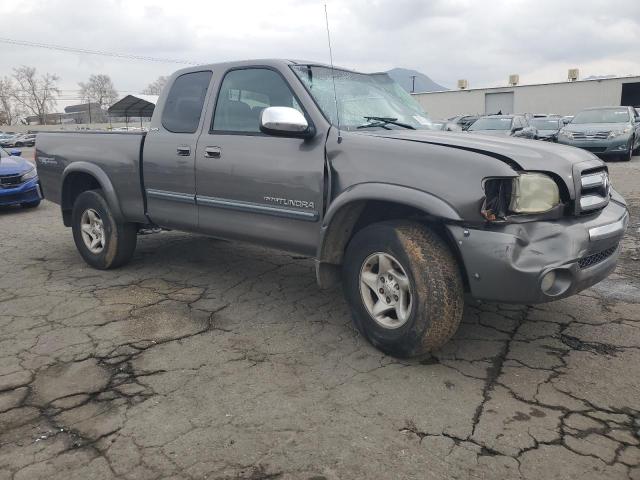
(609, 230)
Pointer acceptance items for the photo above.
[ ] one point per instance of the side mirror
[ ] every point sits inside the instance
(566, 121)
(284, 121)
(16, 152)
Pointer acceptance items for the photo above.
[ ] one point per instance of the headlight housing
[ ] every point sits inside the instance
(617, 133)
(534, 193)
(566, 133)
(29, 175)
(527, 194)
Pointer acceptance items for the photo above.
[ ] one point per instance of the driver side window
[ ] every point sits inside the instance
(243, 95)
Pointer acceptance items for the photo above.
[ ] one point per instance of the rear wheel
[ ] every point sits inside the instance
(102, 242)
(404, 288)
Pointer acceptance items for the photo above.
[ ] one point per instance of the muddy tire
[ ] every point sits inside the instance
(102, 242)
(404, 287)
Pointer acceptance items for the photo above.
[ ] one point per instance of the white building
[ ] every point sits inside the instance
(565, 98)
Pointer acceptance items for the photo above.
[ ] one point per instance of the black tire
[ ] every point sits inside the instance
(435, 284)
(626, 157)
(30, 204)
(119, 238)
(18, 144)
(635, 151)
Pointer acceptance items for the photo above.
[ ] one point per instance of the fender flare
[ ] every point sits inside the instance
(103, 180)
(344, 211)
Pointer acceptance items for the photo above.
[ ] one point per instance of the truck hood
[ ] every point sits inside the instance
(521, 154)
(14, 165)
(595, 127)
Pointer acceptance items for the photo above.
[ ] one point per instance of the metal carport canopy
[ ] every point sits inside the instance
(134, 106)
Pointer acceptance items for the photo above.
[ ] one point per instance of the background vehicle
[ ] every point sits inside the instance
(402, 216)
(18, 181)
(464, 121)
(26, 140)
(547, 127)
(445, 126)
(504, 126)
(604, 131)
(7, 140)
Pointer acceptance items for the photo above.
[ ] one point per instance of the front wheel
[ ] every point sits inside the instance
(102, 242)
(404, 287)
(628, 155)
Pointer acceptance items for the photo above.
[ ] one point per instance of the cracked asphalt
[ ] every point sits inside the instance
(210, 359)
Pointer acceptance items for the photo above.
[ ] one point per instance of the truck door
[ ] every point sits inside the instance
(253, 186)
(170, 151)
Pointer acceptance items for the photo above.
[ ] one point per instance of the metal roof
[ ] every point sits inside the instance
(134, 106)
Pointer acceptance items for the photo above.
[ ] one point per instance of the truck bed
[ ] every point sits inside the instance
(117, 154)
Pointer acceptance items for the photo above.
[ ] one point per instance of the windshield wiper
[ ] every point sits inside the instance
(383, 121)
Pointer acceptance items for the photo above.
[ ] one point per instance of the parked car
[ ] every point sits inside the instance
(445, 126)
(504, 126)
(464, 121)
(7, 141)
(604, 131)
(547, 127)
(26, 140)
(404, 218)
(18, 180)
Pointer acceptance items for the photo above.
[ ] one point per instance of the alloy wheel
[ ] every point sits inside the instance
(92, 230)
(386, 290)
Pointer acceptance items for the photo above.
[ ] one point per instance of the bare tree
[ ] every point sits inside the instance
(9, 110)
(36, 94)
(155, 87)
(99, 89)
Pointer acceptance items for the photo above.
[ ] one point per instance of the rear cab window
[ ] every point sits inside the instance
(183, 107)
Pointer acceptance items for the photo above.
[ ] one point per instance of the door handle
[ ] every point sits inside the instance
(183, 150)
(212, 152)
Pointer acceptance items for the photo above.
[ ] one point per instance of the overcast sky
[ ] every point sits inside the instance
(482, 41)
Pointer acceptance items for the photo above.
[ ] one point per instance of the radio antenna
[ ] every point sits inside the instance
(333, 73)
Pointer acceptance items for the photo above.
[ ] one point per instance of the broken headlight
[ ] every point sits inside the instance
(534, 193)
(528, 193)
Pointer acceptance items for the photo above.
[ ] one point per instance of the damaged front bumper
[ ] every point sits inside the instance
(538, 262)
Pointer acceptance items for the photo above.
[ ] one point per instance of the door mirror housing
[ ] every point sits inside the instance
(15, 152)
(285, 122)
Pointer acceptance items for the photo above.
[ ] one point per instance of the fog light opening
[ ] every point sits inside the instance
(555, 282)
(547, 281)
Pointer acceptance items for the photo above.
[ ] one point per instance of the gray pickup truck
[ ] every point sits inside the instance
(345, 168)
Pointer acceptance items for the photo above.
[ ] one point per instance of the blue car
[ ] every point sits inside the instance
(18, 181)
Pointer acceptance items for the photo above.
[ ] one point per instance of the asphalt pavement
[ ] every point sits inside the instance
(211, 359)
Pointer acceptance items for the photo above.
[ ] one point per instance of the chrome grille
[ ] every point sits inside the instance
(10, 181)
(603, 135)
(594, 190)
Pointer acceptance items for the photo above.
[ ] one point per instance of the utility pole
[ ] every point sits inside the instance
(413, 83)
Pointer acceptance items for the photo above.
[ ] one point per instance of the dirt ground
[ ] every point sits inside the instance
(210, 359)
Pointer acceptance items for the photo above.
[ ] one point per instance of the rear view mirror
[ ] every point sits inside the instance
(284, 121)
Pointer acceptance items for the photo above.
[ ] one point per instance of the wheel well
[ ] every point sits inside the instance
(353, 217)
(74, 184)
